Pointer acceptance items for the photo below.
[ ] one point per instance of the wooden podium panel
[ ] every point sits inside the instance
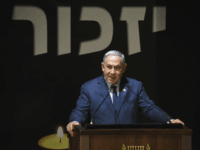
(120, 139)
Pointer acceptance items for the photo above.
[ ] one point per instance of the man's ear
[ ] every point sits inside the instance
(124, 67)
(102, 66)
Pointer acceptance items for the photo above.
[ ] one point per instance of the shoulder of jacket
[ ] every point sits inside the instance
(134, 82)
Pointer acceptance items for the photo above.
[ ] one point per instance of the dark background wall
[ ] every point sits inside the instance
(39, 92)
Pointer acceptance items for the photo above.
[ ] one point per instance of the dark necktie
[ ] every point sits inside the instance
(115, 98)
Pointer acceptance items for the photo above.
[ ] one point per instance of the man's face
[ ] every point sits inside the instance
(113, 69)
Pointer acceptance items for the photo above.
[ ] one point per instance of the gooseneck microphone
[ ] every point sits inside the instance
(98, 108)
(151, 104)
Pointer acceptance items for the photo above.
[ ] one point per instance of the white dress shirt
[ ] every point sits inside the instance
(111, 89)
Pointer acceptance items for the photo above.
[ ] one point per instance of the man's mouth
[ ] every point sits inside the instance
(112, 77)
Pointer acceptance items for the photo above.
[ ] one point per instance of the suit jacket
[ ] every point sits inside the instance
(96, 90)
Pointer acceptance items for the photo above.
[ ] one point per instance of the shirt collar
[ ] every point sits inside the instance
(109, 84)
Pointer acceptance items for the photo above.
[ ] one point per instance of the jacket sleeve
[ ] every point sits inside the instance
(149, 109)
(80, 113)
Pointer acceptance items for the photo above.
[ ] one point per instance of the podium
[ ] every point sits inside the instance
(131, 137)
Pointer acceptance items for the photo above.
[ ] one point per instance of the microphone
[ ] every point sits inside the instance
(98, 108)
(151, 104)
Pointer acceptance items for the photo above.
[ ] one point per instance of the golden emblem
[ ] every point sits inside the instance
(148, 147)
(123, 147)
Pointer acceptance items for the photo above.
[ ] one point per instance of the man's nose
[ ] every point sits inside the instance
(113, 71)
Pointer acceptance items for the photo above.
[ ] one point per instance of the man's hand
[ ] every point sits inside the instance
(70, 127)
(177, 121)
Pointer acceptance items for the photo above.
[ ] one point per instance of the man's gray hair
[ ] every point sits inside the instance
(114, 52)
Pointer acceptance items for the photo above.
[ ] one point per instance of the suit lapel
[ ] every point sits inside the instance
(122, 94)
(103, 88)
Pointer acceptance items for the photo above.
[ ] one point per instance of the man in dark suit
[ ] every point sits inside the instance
(115, 98)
